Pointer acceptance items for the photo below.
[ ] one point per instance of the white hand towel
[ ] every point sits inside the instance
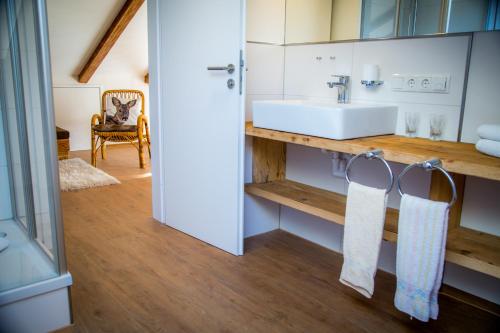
(489, 147)
(420, 255)
(364, 227)
(489, 132)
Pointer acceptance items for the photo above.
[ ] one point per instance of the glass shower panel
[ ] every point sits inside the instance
(378, 18)
(14, 121)
(34, 126)
(5, 194)
(420, 17)
(407, 12)
(33, 251)
(428, 17)
(467, 15)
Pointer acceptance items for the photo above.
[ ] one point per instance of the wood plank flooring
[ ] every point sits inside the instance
(132, 274)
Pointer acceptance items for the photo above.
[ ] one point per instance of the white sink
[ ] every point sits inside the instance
(325, 119)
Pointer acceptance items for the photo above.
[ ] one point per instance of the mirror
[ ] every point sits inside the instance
(395, 18)
(312, 21)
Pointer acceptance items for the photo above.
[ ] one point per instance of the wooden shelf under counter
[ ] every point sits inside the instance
(468, 248)
(465, 247)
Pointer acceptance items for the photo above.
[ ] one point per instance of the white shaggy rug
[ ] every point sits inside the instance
(76, 174)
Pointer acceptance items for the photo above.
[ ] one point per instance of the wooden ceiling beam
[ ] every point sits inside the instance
(109, 39)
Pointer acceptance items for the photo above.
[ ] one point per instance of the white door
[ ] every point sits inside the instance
(198, 117)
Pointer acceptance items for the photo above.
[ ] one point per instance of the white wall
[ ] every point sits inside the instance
(482, 104)
(74, 106)
(346, 19)
(308, 21)
(75, 28)
(264, 81)
(266, 21)
(265, 60)
(265, 65)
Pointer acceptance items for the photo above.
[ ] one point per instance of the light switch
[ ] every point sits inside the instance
(397, 82)
(439, 84)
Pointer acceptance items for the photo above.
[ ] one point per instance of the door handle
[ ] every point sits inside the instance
(229, 68)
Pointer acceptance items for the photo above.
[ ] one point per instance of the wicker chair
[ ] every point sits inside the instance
(116, 124)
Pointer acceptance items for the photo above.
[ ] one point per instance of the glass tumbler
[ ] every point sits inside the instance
(436, 126)
(411, 122)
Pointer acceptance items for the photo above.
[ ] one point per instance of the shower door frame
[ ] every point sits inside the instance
(22, 134)
(57, 255)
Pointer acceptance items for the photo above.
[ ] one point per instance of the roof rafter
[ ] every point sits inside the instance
(116, 28)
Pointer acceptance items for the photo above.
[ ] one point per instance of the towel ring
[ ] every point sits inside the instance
(430, 165)
(370, 155)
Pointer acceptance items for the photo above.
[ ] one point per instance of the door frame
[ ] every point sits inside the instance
(156, 124)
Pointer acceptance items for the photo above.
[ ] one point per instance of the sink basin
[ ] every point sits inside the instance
(325, 119)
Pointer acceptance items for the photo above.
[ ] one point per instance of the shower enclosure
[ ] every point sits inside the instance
(33, 272)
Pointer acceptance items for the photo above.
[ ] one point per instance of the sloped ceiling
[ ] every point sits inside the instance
(75, 29)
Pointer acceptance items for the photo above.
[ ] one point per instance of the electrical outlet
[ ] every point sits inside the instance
(421, 83)
(411, 83)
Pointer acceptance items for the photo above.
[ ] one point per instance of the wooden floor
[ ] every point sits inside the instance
(132, 274)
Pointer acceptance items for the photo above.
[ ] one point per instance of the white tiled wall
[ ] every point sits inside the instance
(309, 67)
(265, 65)
(482, 104)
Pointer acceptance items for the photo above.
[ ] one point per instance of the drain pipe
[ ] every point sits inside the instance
(339, 162)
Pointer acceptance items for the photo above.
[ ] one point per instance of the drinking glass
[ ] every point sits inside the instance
(436, 122)
(411, 121)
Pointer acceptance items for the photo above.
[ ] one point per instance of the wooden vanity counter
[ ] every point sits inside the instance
(457, 157)
(469, 248)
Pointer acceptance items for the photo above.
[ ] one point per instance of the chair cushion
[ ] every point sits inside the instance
(122, 109)
(114, 128)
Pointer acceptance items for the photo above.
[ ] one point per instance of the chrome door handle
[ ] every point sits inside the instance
(229, 68)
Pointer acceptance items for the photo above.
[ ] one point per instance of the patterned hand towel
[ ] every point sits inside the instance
(364, 226)
(420, 256)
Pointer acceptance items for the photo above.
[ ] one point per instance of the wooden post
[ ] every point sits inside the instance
(441, 191)
(93, 148)
(269, 160)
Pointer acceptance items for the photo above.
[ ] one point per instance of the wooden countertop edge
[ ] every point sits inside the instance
(391, 152)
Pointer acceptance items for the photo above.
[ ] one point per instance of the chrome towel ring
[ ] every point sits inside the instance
(370, 155)
(429, 165)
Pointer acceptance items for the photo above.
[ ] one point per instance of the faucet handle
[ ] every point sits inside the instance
(342, 78)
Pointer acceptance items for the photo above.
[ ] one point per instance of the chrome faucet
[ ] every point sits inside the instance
(343, 87)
